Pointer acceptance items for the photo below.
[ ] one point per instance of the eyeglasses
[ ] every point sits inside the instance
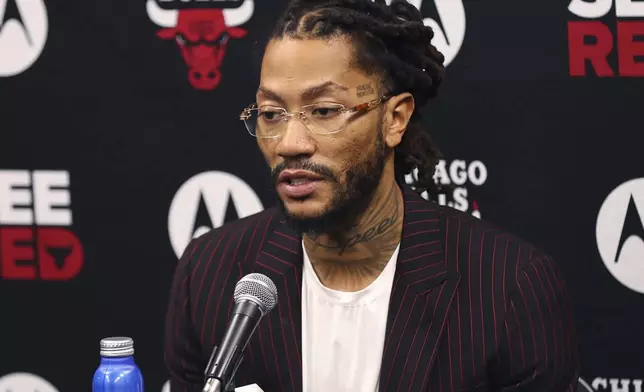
(323, 118)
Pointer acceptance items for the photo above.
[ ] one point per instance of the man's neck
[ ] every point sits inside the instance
(353, 260)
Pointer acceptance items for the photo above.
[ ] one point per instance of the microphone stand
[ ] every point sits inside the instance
(212, 385)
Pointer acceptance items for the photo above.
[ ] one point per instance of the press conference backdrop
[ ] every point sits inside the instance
(120, 142)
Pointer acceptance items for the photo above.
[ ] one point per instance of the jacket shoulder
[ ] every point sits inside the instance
(487, 241)
(238, 234)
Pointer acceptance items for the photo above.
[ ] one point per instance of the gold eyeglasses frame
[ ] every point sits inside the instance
(365, 106)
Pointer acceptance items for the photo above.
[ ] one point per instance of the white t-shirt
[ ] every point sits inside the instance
(343, 333)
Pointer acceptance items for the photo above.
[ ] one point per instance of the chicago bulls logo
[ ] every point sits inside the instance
(202, 36)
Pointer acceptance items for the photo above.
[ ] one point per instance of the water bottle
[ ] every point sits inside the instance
(117, 371)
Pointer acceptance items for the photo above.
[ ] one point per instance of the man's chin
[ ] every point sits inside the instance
(305, 215)
(303, 210)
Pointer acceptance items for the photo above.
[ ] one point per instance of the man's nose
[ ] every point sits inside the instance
(295, 140)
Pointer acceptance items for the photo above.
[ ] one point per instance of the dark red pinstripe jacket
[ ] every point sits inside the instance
(473, 307)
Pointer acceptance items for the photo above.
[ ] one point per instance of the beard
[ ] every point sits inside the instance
(351, 197)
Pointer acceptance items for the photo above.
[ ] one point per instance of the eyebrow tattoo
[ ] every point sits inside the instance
(365, 89)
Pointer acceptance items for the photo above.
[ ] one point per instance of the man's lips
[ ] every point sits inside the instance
(297, 184)
(297, 176)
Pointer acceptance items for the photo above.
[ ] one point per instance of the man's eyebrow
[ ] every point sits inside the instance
(308, 94)
(315, 91)
(269, 94)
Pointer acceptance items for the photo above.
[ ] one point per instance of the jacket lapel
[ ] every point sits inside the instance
(279, 336)
(423, 290)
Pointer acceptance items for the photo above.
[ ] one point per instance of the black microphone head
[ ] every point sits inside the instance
(257, 288)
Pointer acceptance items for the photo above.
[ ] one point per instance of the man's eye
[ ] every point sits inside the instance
(325, 111)
(269, 114)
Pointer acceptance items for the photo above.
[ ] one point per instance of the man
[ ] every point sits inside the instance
(379, 289)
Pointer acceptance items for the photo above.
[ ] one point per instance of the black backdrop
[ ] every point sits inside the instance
(103, 138)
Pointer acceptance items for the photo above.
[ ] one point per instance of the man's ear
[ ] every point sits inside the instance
(399, 110)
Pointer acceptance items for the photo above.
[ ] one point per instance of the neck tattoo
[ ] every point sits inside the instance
(351, 261)
(372, 232)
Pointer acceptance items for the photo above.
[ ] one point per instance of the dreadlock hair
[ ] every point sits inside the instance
(393, 42)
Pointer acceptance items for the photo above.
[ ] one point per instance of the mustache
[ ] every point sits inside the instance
(316, 168)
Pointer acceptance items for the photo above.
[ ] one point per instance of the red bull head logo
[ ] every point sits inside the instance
(202, 36)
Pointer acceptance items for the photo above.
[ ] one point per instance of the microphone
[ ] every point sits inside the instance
(255, 295)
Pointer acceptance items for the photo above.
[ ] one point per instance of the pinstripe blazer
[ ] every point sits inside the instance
(473, 307)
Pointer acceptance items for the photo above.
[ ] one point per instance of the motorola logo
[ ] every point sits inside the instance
(23, 33)
(25, 382)
(207, 201)
(620, 234)
(447, 19)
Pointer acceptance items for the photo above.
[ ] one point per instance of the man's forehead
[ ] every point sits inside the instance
(304, 60)
(304, 69)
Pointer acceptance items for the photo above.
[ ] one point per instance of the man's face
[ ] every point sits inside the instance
(324, 181)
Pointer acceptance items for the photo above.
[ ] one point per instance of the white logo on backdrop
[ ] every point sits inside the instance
(452, 15)
(620, 234)
(168, 18)
(583, 386)
(598, 8)
(461, 175)
(25, 382)
(214, 190)
(616, 384)
(23, 33)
